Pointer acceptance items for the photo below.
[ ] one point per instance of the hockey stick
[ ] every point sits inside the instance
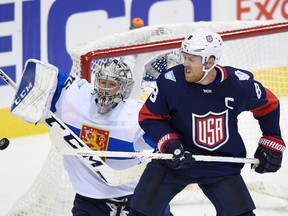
(160, 156)
(58, 140)
(93, 162)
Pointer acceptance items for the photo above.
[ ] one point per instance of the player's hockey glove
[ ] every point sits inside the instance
(171, 144)
(269, 152)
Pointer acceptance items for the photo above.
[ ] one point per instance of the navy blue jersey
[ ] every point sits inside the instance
(205, 116)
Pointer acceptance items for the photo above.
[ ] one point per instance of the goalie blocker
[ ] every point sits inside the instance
(35, 92)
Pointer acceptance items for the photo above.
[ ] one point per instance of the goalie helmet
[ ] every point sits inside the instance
(203, 43)
(119, 73)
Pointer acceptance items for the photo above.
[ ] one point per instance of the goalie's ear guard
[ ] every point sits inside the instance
(35, 91)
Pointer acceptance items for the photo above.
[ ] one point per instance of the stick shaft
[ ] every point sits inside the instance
(159, 156)
(7, 79)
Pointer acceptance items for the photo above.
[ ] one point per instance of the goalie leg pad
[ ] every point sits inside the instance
(35, 91)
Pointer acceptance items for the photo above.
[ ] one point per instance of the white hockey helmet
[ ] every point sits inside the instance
(204, 43)
(118, 72)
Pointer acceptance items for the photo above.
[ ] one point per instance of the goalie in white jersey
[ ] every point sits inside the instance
(102, 115)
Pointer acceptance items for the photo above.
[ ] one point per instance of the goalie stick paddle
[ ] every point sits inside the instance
(93, 162)
(60, 137)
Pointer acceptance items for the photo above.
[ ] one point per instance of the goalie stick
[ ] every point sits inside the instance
(59, 142)
(93, 162)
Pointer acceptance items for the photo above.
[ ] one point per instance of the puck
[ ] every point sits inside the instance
(4, 142)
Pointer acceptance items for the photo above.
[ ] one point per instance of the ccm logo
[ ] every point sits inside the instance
(23, 93)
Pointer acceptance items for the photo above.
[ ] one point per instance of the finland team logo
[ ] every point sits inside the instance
(210, 131)
(96, 138)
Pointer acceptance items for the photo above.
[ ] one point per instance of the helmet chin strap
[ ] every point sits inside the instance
(206, 71)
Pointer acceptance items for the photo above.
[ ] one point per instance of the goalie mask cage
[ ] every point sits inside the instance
(258, 46)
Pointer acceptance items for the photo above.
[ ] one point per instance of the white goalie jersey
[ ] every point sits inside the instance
(118, 130)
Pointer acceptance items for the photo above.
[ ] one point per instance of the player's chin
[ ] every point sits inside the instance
(190, 78)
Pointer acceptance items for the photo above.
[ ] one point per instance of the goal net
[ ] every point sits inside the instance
(258, 46)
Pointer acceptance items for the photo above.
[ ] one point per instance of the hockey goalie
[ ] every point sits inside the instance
(101, 114)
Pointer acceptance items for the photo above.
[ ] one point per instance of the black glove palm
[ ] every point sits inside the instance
(181, 158)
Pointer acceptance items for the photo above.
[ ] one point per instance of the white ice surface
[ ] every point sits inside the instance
(21, 162)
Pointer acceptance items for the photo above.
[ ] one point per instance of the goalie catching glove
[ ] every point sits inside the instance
(269, 153)
(171, 144)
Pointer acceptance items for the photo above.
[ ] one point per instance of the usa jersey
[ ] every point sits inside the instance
(118, 130)
(205, 116)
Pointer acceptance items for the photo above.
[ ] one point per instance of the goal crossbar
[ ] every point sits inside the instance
(173, 44)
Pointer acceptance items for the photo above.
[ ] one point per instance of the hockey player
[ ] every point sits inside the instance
(193, 111)
(102, 115)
